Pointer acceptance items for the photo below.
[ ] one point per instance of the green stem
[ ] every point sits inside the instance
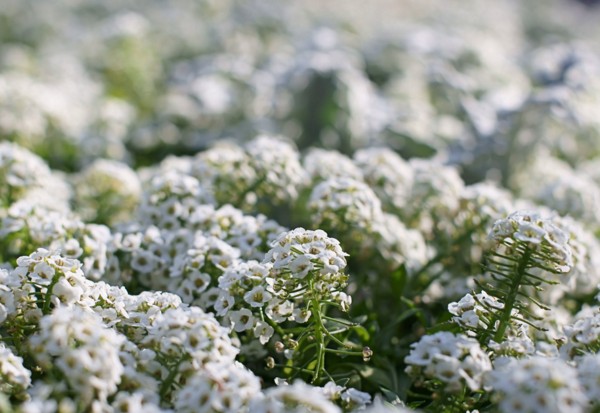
(320, 338)
(512, 295)
(48, 296)
(166, 385)
(298, 369)
(5, 404)
(348, 353)
(248, 190)
(340, 321)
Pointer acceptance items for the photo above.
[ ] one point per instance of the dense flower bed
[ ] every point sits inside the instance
(265, 206)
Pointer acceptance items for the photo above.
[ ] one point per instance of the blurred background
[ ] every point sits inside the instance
(468, 81)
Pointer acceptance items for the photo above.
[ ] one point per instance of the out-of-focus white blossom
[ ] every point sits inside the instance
(582, 335)
(390, 176)
(344, 202)
(455, 360)
(107, 192)
(536, 384)
(322, 164)
(588, 373)
(15, 377)
(434, 194)
(293, 398)
(276, 163)
(218, 387)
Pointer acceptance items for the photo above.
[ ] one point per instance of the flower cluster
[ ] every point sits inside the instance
(278, 169)
(587, 373)
(241, 295)
(295, 398)
(266, 168)
(540, 235)
(537, 384)
(307, 265)
(340, 202)
(434, 194)
(84, 352)
(15, 377)
(171, 200)
(27, 227)
(582, 335)
(390, 176)
(114, 351)
(157, 257)
(454, 360)
(47, 280)
(322, 164)
(226, 169)
(107, 192)
(194, 271)
(220, 387)
(25, 176)
(206, 206)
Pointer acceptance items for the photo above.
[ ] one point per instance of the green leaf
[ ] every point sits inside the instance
(362, 333)
(377, 377)
(398, 281)
(390, 396)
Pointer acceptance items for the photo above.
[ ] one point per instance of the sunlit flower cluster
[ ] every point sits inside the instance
(299, 206)
(537, 233)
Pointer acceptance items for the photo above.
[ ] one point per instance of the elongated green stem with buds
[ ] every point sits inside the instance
(509, 304)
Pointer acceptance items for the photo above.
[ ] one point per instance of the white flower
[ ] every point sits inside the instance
(343, 299)
(355, 400)
(332, 391)
(277, 163)
(257, 296)
(72, 248)
(107, 190)
(143, 261)
(242, 319)
(199, 280)
(209, 298)
(224, 303)
(42, 272)
(192, 332)
(279, 311)
(135, 402)
(263, 331)
(397, 244)
(582, 335)
(300, 266)
(311, 244)
(301, 315)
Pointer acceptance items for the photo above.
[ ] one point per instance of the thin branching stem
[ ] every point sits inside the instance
(506, 313)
